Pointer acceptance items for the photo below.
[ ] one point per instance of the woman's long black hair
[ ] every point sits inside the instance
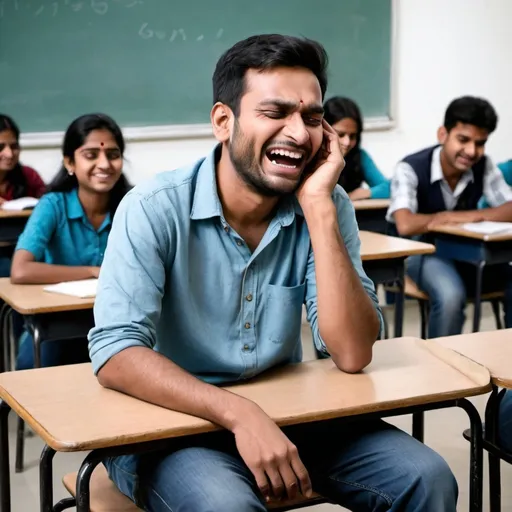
(15, 176)
(74, 138)
(336, 109)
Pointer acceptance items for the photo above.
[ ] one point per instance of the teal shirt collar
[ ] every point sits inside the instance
(75, 210)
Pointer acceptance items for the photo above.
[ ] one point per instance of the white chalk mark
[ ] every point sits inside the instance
(173, 36)
(16, 5)
(1, 10)
(145, 32)
(200, 38)
(77, 7)
(99, 7)
(160, 35)
(133, 4)
(55, 9)
(39, 11)
(219, 33)
(182, 32)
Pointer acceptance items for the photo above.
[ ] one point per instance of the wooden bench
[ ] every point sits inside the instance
(105, 497)
(412, 291)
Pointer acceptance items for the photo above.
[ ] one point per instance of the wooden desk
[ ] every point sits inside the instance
(384, 261)
(12, 224)
(49, 316)
(371, 214)
(454, 242)
(406, 374)
(494, 351)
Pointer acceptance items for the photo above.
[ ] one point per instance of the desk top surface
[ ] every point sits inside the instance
(31, 299)
(375, 246)
(490, 349)
(12, 214)
(458, 230)
(371, 204)
(68, 408)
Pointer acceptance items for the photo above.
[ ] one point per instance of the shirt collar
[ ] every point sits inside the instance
(436, 171)
(74, 209)
(206, 203)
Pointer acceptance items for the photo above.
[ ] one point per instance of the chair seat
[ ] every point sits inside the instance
(411, 290)
(105, 497)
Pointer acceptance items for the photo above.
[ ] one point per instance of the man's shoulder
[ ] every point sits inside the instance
(168, 183)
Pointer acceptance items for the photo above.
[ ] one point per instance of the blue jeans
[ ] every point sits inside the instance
(370, 466)
(448, 284)
(505, 422)
(53, 353)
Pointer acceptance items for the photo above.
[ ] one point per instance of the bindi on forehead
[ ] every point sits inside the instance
(102, 144)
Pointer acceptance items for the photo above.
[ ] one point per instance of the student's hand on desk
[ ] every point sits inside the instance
(323, 172)
(95, 272)
(270, 456)
(443, 218)
(359, 193)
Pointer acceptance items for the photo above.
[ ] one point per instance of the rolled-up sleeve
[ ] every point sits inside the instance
(404, 186)
(350, 234)
(132, 281)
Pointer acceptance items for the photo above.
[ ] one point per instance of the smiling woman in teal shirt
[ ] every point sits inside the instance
(66, 235)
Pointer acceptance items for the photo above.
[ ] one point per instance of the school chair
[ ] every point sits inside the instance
(105, 497)
(411, 291)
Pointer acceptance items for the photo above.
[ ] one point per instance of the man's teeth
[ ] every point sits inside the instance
(284, 152)
(283, 165)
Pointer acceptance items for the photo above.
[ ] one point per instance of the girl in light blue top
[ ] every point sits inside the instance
(345, 117)
(66, 235)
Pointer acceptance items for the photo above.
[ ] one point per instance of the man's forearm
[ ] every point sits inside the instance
(347, 319)
(149, 376)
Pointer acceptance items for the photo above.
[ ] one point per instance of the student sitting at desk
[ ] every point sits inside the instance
(345, 117)
(205, 274)
(441, 185)
(16, 180)
(66, 235)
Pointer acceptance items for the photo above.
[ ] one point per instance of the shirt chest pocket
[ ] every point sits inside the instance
(283, 311)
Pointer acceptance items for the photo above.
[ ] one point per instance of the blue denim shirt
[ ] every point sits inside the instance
(178, 279)
(58, 232)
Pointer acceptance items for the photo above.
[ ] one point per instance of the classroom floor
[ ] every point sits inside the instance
(442, 432)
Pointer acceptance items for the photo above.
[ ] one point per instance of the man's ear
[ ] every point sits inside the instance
(222, 118)
(442, 134)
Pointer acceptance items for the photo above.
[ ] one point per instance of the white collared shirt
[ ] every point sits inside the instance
(405, 183)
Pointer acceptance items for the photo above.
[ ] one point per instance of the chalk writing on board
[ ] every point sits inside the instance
(52, 9)
(176, 34)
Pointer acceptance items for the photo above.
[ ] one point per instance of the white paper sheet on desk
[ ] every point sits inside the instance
(488, 227)
(84, 289)
(23, 203)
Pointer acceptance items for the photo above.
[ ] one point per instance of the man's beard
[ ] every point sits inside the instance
(243, 158)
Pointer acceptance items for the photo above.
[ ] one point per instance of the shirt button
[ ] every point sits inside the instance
(239, 243)
(226, 229)
(246, 348)
(248, 298)
(247, 325)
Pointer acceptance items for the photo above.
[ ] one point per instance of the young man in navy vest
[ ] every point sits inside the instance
(442, 185)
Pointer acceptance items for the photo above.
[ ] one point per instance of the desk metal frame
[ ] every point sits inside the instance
(95, 457)
(476, 252)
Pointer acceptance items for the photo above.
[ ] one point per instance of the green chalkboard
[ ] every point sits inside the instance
(150, 62)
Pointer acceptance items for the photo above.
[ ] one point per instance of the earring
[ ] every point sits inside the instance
(71, 173)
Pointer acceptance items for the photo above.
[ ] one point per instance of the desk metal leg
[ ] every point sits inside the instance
(399, 305)
(46, 479)
(418, 426)
(492, 436)
(5, 477)
(476, 457)
(83, 479)
(4, 334)
(478, 296)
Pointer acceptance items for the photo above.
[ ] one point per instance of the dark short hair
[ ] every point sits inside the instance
(265, 52)
(74, 138)
(471, 110)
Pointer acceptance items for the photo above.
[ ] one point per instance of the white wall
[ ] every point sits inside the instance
(445, 48)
